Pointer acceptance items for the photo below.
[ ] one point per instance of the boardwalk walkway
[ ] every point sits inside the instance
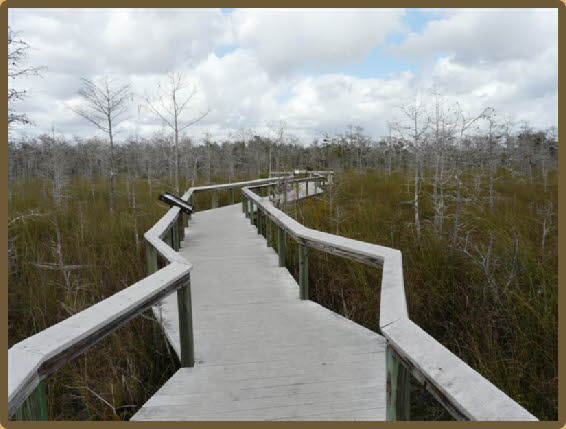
(260, 352)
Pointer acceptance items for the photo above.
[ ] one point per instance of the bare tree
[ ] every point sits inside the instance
(414, 132)
(102, 106)
(168, 103)
(17, 67)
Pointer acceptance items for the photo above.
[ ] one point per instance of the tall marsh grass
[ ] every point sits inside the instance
(500, 319)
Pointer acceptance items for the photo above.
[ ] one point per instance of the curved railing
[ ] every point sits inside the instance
(465, 393)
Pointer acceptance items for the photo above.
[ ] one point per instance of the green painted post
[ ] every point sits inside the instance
(281, 245)
(175, 237)
(181, 227)
(303, 272)
(151, 258)
(397, 388)
(34, 407)
(214, 199)
(232, 196)
(184, 305)
(168, 237)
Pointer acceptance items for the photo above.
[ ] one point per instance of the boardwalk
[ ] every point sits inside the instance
(260, 352)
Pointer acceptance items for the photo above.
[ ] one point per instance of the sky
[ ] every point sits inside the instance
(315, 70)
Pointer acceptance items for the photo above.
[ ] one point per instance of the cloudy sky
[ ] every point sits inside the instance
(317, 70)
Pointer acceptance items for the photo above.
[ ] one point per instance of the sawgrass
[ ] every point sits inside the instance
(503, 324)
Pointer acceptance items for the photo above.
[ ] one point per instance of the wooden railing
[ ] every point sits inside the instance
(462, 391)
(33, 359)
(465, 393)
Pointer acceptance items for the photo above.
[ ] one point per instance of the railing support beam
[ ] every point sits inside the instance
(34, 407)
(186, 325)
(397, 387)
(214, 199)
(174, 231)
(303, 272)
(281, 245)
(151, 258)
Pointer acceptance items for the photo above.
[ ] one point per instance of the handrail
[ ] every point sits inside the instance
(33, 359)
(465, 393)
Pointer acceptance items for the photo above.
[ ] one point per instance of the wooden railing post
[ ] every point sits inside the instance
(268, 231)
(245, 206)
(181, 227)
(214, 199)
(34, 407)
(259, 216)
(184, 305)
(232, 196)
(192, 202)
(397, 387)
(252, 212)
(151, 258)
(281, 245)
(175, 237)
(307, 189)
(303, 272)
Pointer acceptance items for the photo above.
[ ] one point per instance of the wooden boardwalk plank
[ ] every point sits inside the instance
(260, 352)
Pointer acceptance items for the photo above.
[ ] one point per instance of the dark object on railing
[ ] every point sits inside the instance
(173, 200)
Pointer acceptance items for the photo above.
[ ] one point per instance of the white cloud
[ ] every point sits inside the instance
(286, 39)
(472, 36)
(478, 58)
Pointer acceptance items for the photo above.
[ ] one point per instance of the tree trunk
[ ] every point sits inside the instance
(416, 203)
(112, 178)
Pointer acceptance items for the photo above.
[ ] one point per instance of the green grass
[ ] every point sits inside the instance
(120, 373)
(505, 328)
